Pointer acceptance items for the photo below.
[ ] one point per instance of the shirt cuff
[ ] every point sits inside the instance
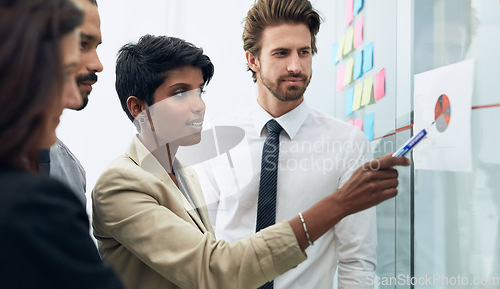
(355, 279)
(280, 250)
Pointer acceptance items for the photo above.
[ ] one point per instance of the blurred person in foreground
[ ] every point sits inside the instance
(43, 226)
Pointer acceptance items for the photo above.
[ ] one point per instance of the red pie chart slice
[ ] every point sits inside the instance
(442, 113)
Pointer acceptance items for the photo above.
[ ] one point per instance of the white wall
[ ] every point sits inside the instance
(102, 131)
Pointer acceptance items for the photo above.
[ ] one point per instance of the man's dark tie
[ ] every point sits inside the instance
(266, 205)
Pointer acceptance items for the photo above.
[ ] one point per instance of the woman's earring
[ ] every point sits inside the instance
(141, 120)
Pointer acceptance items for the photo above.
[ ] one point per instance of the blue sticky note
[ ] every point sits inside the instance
(358, 65)
(358, 5)
(349, 95)
(368, 57)
(368, 126)
(335, 48)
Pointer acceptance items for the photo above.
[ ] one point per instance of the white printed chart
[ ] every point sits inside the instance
(444, 95)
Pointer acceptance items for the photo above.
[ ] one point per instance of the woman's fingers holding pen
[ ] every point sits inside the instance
(371, 184)
(385, 162)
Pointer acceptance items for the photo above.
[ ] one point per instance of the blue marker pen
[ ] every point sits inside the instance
(411, 143)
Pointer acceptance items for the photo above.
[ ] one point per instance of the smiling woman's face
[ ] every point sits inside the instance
(177, 112)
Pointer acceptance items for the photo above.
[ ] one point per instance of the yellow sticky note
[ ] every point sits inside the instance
(340, 50)
(358, 90)
(367, 91)
(349, 67)
(349, 39)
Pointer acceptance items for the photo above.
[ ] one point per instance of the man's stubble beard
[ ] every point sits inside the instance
(293, 93)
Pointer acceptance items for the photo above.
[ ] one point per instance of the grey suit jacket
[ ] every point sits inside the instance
(153, 238)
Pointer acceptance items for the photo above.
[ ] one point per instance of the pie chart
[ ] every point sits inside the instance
(442, 113)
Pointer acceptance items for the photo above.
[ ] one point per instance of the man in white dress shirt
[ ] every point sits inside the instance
(317, 153)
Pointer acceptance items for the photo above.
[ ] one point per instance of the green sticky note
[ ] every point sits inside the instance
(348, 101)
(349, 67)
(367, 91)
(340, 50)
(349, 40)
(358, 90)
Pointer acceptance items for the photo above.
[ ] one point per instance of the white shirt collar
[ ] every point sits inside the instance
(290, 121)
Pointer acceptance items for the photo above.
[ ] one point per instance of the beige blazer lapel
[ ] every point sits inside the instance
(143, 158)
(183, 176)
(193, 186)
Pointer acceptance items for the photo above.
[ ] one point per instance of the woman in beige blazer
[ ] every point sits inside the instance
(149, 216)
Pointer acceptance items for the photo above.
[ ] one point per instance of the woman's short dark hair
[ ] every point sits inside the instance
(143, 66)
(31, 73)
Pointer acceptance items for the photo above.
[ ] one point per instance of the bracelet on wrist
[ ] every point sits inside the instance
(305, 229)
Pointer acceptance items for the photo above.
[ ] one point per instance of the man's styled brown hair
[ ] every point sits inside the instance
(274, 12)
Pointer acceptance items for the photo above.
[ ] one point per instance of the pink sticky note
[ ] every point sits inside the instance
(358, 32)
(349, 4)
(351, 121)
(379, 84)
(359, 123)
(340, 78)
